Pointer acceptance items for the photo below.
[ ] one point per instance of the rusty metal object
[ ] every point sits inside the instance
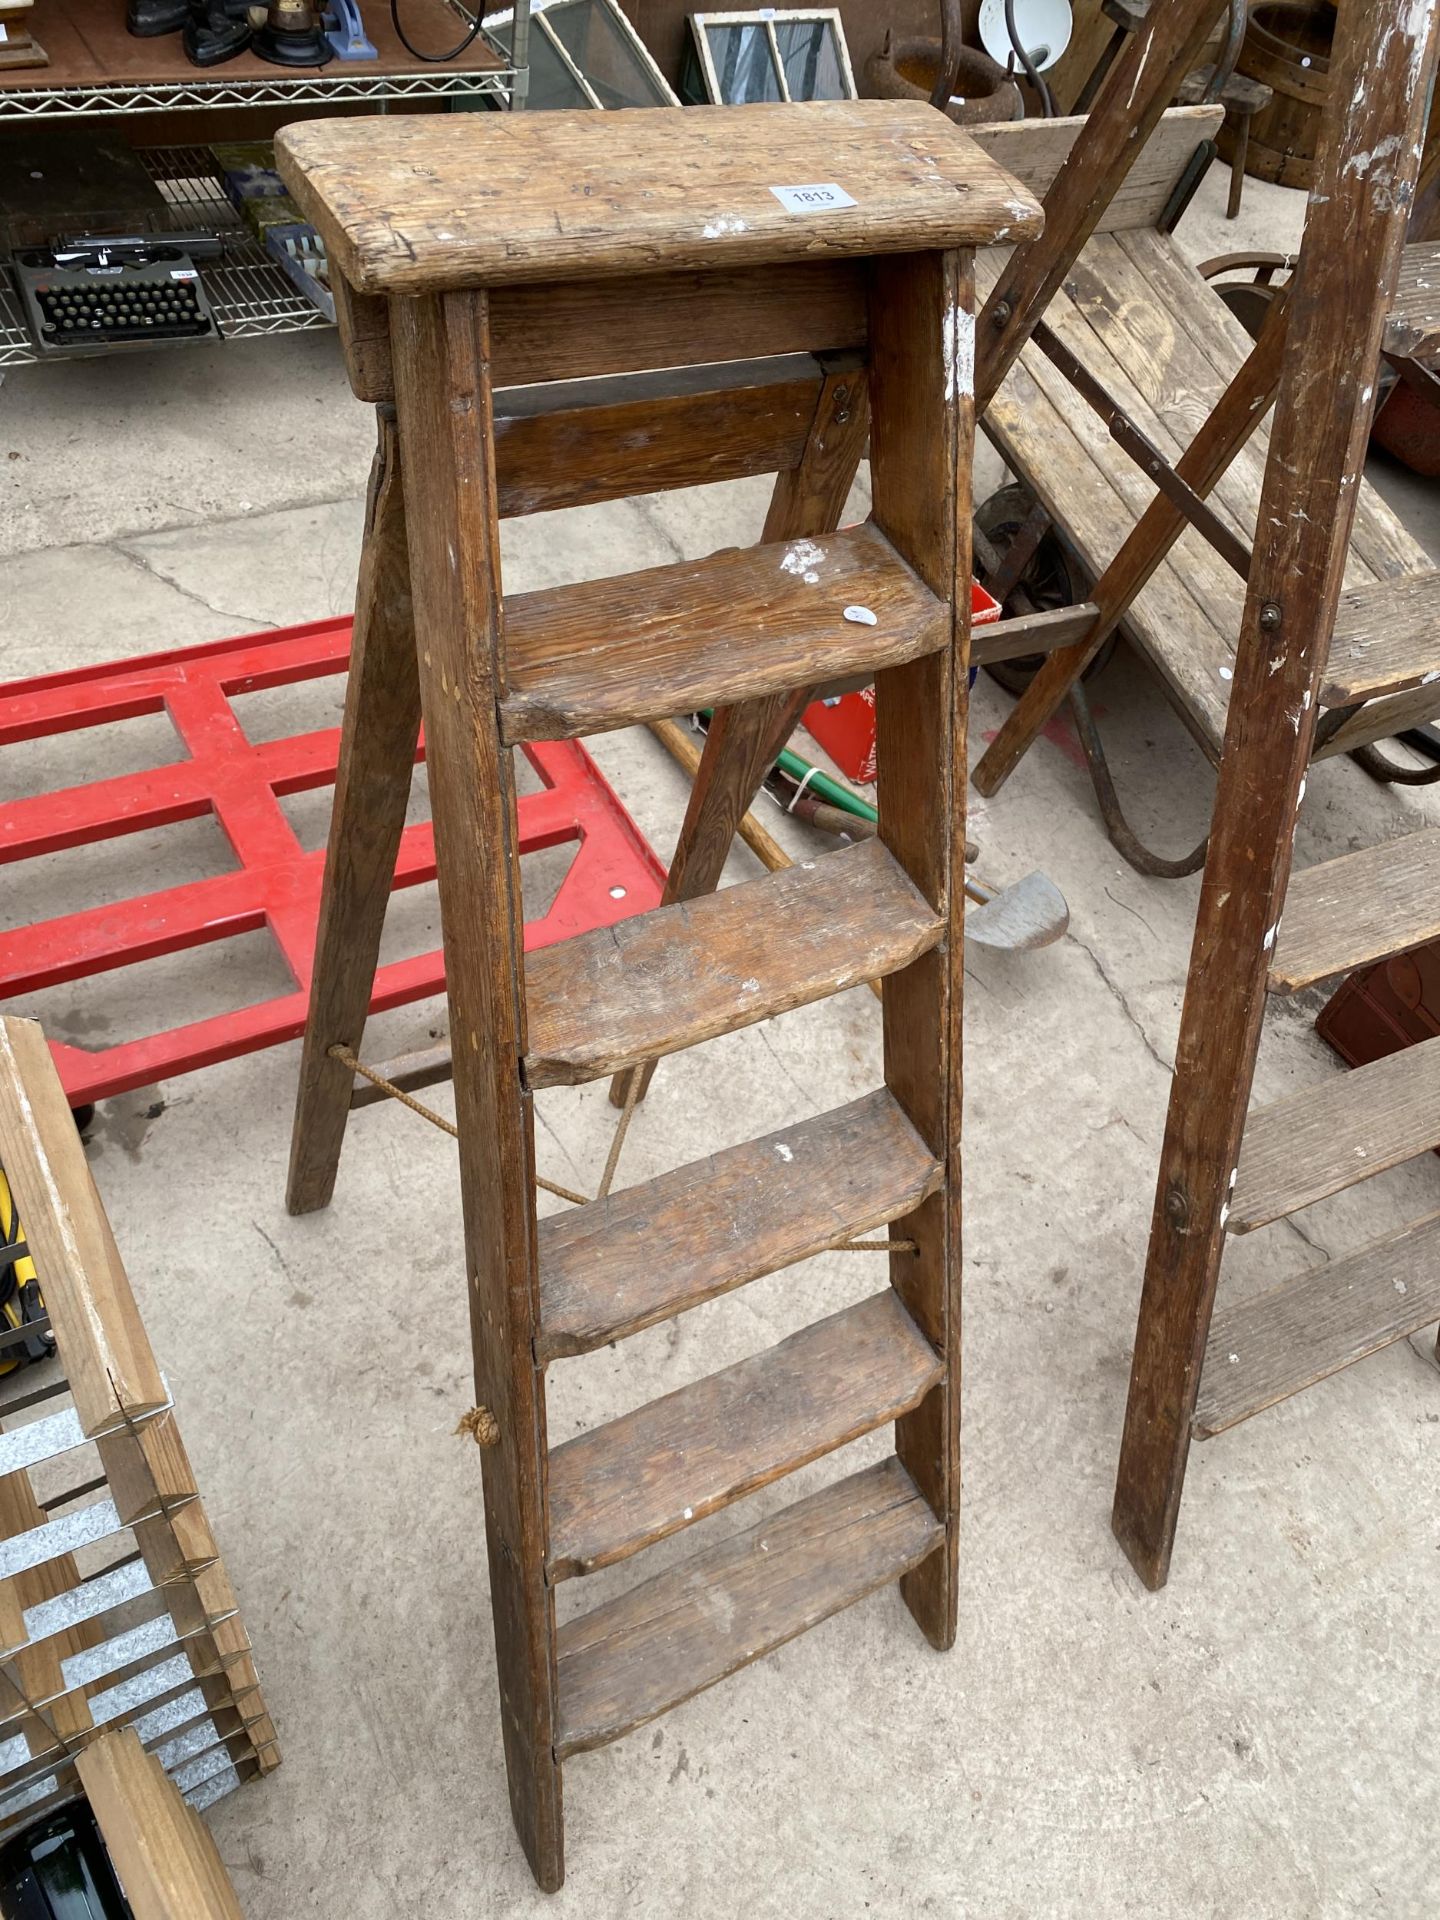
(914, 69)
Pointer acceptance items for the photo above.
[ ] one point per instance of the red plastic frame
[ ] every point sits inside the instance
(277, 885)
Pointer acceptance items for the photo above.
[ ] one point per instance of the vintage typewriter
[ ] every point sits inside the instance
(94, 294)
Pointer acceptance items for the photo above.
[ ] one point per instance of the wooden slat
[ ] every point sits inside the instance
(1044, 432)
(1325, 1139)
(700, 1621)
(1032, 633)
(1387, 640)
(606, 653)
(108, 1360)
(580, 330)
(1363, 907)
(1412, 331)
(636, 1480)
(1034, 150)
(1381, 546)
(1382, 719)
(408, 204)
(670, 979)
(573, 443)
(647, 1252)
(1260, 1351)
(163, 1852)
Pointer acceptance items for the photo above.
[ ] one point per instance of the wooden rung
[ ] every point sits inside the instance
(657, 1249)
(748, 621)
(1327, 1138)
(1364, 907)
(669, 979)
(632, 1482)
(1412, 330)
(575, 442)
(1386, 640)
(673, 1636)
(1263, 1350)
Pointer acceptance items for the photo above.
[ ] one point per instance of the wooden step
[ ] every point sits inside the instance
(674, 1635)
(1386, 640)
(626, 1485)
(641, 646)
(1329, 1137)
(672, 978)
(651, 1251)
(1364, 907)
(1263, 1350)
(1412, 329)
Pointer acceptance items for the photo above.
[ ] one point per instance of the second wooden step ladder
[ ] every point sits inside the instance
(480, 253)
(1304, 647)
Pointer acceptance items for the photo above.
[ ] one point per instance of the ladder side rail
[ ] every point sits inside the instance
(1384, 60)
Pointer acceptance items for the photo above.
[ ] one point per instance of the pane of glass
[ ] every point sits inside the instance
(811, 59)
(598, 44)
(743, 65)
(551, 82)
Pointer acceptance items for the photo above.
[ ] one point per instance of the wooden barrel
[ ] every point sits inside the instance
(1287, 46)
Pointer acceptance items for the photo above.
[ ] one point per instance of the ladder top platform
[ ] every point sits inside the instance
(419, 203)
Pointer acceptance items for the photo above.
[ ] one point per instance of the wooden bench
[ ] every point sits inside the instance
(1139, 317)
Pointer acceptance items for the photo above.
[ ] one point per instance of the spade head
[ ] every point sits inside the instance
(1032, 913)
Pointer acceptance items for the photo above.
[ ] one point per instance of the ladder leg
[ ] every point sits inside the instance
(1348, 265)
(442, 359)
(377, 756)
(1237, 413)
(922, 437)
(743, 740)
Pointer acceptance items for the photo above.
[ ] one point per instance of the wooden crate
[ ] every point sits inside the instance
(115, 1607)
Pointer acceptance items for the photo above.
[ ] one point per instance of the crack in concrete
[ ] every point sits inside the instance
(196, 522)
(1314, 1245)
(645, 509)
(142, 565)
(1112, 986)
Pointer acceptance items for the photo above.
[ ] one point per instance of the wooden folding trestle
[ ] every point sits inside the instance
(1259, 928)
(480, 253)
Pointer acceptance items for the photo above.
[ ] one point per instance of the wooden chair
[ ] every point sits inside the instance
(479, 254)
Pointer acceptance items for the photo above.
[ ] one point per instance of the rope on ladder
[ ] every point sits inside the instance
(348, 1059)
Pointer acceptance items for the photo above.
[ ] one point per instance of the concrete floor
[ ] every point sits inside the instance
(1254, 1740)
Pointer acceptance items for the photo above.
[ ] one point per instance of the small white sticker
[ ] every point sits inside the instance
(183, 273)
(816, 199)
(860, 617)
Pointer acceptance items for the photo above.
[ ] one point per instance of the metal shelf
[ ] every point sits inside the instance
(190, 96)
(249, 291)
(97, 67)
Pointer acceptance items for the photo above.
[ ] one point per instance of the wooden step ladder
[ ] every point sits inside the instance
(1304, 647)
(478, 252)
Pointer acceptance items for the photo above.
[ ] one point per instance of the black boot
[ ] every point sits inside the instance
(215, 30)
(145, 18)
